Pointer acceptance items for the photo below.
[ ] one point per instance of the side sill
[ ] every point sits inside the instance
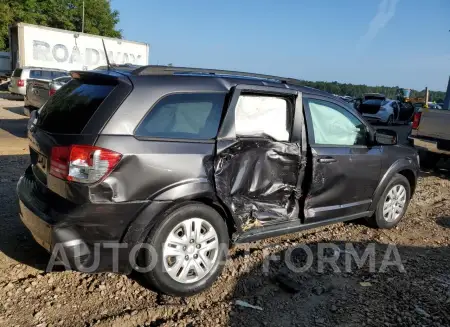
(292, 227)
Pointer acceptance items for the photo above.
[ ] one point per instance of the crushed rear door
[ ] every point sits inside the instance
(259, 167)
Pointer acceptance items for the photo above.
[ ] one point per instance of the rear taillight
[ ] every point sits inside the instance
(51, 92)
(82, 163)
(20, 82)
(416, 120)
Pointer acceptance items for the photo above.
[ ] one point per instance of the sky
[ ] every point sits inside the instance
(403, 43)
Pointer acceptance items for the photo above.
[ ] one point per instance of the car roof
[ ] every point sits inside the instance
(42, 68)
(374, 94)
(209, 79)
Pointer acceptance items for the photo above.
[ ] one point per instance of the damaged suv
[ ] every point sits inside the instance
(165, 167)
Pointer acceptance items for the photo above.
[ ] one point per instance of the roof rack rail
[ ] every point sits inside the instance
(171, 70)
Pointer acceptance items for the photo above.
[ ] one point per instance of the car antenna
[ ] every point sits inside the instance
(106, 55)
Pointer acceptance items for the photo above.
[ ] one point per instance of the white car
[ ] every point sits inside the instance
(386, 111)
(433, 105)
(18, 83)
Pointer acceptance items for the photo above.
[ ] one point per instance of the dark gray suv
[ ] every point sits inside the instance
(159, 169)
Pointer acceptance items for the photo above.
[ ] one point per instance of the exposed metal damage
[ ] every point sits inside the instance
(258, 181)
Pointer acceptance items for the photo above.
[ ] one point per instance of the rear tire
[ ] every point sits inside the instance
(392, 204)
(185, 265)
(428, 160)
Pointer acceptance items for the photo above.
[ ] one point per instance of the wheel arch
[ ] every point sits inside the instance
(411, 177)
(169, 201)
(401, 166)
(201, 191)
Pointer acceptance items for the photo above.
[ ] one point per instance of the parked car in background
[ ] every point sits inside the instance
(347, 98)
(177, 160)
(430, 134)
(381, 110)
(39, 90)
(432, 105)
(20, 76)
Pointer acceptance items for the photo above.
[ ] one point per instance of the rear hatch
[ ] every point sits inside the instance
(371, 106)
(37, 91)
(73, 116)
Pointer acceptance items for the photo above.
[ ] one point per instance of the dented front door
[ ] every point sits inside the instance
(259, 156)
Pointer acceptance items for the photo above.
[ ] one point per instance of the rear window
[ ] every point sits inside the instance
(46, 74)
(184, 116)
(17, 72)
(372, 97)
(374, 102)
(69, 110)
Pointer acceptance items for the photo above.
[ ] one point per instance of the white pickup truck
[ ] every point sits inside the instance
(430, 134)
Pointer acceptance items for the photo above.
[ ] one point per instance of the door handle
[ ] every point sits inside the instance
(327, 160)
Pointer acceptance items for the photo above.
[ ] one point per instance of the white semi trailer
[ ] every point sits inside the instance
(40, 46)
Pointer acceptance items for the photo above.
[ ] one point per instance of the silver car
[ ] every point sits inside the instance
(18, 84)
(39, 91)
(386, 111)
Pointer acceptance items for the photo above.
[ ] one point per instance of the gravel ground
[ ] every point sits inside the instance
(417, 296)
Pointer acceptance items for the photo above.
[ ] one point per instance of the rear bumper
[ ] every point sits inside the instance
(17, 90)
(84, 237)
(429, 145)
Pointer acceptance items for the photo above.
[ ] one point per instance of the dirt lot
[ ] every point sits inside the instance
(419, 296)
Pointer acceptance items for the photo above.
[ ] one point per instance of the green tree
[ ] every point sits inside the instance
(99, 18)
(358, 90)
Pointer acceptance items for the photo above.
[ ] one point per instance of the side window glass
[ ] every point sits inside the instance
(184, 116)
(262, 115)
(35, 74)
(333, 125)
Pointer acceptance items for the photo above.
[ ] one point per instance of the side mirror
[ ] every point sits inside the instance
(386, 137)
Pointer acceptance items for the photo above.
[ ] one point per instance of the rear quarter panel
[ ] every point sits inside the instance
(395, 159)
(153, 169)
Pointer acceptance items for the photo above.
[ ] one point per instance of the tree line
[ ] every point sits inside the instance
(358, 90)
(99, 18)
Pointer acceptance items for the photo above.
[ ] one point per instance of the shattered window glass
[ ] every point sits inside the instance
(262, 115)
(333, 125)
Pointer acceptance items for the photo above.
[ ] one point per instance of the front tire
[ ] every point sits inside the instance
(392, 204)
(191, 245)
